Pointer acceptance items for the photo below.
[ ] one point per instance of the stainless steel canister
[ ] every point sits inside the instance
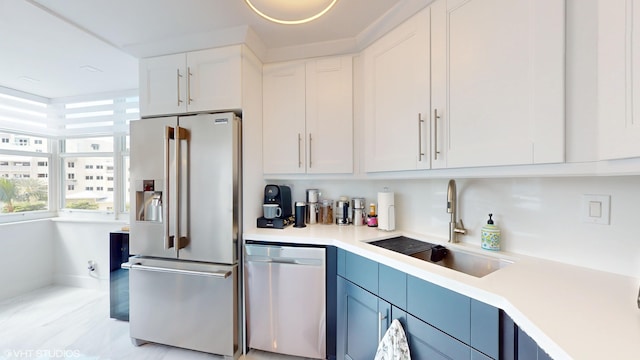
(313, 206)
(342, 211)
(359, 217)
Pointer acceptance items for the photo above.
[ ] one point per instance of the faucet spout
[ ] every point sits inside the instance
(454, 227)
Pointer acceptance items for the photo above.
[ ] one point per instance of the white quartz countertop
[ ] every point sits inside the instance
(571, 312)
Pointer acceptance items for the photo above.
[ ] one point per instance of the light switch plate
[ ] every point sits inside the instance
(596, 209)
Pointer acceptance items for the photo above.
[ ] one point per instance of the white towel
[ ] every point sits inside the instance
(393, 345)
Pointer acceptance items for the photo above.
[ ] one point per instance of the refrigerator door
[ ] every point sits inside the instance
(184, 304)
(148, 176)
(210, 201)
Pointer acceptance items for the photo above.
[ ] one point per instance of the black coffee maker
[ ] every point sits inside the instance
(279, 195)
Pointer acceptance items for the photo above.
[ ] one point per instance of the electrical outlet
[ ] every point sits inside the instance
(596, 209)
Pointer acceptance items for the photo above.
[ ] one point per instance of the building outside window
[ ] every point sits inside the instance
(24, 175)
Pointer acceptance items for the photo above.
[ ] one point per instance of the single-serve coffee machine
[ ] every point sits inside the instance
(277, 210)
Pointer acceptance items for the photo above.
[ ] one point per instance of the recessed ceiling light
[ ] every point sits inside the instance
(90, 68)
(291, 12)
(29, 79)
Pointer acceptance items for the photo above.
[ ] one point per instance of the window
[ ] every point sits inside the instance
(92, 145)
(23, 188)
(109, 178)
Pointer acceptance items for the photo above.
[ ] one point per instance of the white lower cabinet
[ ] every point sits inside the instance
(618, 79)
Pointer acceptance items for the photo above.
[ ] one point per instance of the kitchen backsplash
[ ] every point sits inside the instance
(540, 217)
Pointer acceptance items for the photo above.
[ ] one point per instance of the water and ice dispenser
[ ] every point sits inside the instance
(148, 201)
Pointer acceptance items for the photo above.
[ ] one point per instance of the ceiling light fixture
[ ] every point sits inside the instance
(291, 12)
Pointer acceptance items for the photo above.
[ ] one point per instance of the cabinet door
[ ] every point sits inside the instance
(163, 84)
(397, 98)
(362, 321)
(283, 131)
(329, 115)
(619, 79)
(503, 100)
(214, 79)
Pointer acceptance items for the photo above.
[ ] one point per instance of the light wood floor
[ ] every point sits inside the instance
(71, 323)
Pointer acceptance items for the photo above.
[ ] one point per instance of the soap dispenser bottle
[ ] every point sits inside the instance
(490, 235)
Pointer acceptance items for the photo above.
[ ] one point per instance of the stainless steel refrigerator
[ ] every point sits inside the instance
(185, 175)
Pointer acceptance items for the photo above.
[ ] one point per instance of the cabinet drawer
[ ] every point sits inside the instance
(392, 286)
(427, 342)
(362, 272)
(440, 307)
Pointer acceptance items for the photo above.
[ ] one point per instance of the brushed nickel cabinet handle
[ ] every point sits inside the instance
(178, 76)
(299, 143)
(189, 74)
(420, 121)
(310, 149)
(435, 134)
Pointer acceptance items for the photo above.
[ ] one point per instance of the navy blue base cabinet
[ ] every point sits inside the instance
(439, 323)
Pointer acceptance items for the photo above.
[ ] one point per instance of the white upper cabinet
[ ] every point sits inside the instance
(619, 78)
(397, 98)
(308, 116)
(198, 81)
(498, 69)
(329, 115)
(283, 111)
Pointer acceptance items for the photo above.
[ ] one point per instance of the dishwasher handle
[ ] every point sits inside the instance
(138, 266)
(285, 261)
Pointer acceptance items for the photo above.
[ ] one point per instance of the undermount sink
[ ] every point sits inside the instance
(473, 264)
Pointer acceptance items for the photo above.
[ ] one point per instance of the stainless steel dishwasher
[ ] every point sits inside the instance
(286, 307)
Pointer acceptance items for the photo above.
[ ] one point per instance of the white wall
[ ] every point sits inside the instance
(538, 216)
(77, 242)
(26, 258)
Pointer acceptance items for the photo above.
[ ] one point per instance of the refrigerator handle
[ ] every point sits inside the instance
(182, 134)
(168, 238)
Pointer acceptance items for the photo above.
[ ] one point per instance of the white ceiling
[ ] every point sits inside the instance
(45, 45)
